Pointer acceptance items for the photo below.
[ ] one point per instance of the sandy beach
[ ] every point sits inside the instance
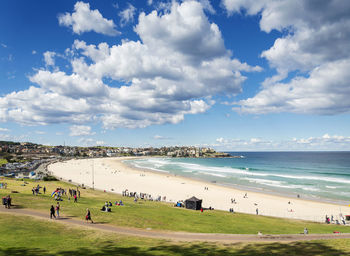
(112, 175)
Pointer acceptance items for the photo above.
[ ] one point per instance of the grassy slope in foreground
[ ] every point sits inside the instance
(157, 215)
(21, 235)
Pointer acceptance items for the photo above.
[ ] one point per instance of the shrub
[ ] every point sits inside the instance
(49, 178)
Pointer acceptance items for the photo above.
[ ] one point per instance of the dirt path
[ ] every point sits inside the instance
(176, 236)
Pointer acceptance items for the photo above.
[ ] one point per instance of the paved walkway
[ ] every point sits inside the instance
(176, 236)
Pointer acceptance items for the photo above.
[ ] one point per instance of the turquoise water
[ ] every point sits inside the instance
(318, 175)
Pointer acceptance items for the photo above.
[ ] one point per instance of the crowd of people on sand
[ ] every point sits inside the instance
(332, 220)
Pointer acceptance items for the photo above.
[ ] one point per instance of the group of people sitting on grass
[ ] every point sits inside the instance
(179, 204)
(107, 206)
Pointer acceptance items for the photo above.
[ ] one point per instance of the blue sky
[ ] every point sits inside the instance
(229, 74)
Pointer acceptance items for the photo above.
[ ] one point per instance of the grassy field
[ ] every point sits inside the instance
(21, 235)
(3, 161)
(157, 215)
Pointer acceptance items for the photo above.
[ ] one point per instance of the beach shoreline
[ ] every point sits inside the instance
(239, 186)
(113, 175)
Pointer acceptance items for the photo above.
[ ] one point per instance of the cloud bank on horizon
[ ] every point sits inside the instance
(178, 63)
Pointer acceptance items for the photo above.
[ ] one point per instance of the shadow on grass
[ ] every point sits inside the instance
(302, 248)
(17, 206)
(101, 222)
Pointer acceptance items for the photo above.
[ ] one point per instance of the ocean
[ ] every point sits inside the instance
(321, 176)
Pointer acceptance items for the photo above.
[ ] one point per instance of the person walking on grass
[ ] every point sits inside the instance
(44, 189)
(58, 209)
(88, 216)
(52, 212)
(75, 198)
(8, 202)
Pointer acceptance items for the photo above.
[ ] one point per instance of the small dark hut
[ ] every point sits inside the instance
(193, 203)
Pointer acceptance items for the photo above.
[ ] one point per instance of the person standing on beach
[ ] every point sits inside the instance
(52, 212)
(88, 216)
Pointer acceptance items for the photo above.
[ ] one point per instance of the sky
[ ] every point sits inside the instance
(234, 75)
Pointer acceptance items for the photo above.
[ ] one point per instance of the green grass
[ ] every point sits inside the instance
(20, 235)
(3, 161)
(157, 215)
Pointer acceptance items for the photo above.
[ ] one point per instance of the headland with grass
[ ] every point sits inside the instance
(26, 235)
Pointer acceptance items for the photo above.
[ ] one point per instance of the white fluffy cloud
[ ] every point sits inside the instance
(175, 69)
(127, 15)
(83, 19)
(4, 129)
(80, 130)
(49, 58)
(325, 91)
(207, 6)
(315, 43)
